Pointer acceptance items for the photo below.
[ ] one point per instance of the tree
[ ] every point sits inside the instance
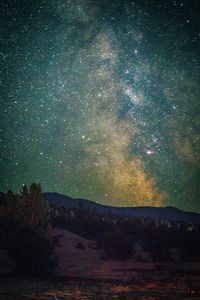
(117, 245)
(26, 233)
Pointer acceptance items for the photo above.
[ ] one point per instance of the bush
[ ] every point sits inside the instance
(80, 245)
(117, 245)
(30, 251)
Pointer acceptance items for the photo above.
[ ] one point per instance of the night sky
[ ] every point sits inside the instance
(101, 99)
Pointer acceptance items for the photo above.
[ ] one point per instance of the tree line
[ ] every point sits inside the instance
(117, 235)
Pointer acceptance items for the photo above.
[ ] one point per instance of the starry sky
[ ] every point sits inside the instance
(101, 99)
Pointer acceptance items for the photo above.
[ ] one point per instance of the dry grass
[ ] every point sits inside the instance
(150, 281)
(15, 289)
(120, 289)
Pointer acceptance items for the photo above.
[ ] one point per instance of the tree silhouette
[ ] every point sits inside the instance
(26, 231)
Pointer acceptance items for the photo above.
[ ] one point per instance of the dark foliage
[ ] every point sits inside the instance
(116, 234)
(26, 232)
(80, 246)
(117, 245)
(29, 250)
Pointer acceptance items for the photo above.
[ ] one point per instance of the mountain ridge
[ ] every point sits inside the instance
(169, 213)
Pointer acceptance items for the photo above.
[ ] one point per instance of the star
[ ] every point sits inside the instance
(104, 98)
(149, 152)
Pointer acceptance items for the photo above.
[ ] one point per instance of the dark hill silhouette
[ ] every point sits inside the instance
(169, 213)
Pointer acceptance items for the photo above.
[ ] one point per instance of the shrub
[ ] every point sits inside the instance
(80, 245)
(117, 245)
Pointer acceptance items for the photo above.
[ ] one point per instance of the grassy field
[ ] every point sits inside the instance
(138, 280)
(18, 289)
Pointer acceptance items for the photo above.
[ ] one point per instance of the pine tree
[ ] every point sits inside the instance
(27, 234)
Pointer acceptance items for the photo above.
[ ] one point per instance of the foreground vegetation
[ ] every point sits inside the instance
(26, 233)
(118, 235)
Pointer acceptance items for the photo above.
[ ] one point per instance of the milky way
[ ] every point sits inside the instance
(101, 100)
